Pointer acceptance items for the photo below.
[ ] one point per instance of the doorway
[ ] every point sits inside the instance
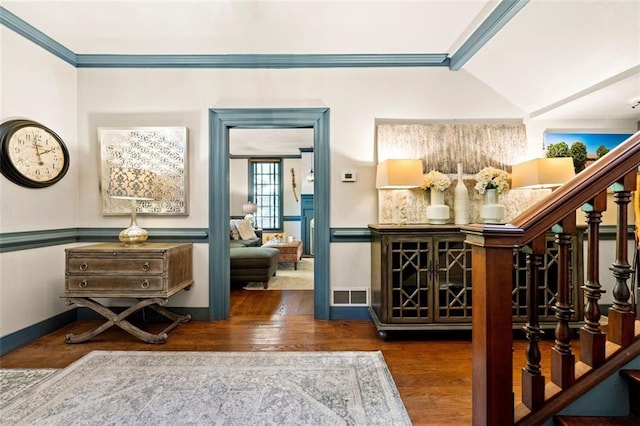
(220, 122)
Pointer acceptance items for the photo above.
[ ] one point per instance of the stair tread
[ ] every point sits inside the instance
(595, 421)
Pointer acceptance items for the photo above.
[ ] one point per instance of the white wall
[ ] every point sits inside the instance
(37, 85)
(356, 97)
(40, 87)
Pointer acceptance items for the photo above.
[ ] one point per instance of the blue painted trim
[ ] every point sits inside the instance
(220, 121)
(306, 149)
(350, 235)
(288, 156)
(27, 335)
(36, 36)
(291, 218)
(350, 313)
(15, 241)
(264, 61)
(497, 19)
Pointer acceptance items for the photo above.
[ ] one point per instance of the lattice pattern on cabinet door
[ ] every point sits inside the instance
(548, 288)
(453, 280)
(410, 281)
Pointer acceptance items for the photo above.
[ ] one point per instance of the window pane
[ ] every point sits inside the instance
(266, 191)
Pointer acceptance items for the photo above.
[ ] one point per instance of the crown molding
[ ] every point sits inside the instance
(497, 19)
(21, 27)
(264, 61)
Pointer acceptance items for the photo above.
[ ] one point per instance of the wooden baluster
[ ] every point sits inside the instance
(621, 321)
(592, 339)
(562, 358)
(532, 378)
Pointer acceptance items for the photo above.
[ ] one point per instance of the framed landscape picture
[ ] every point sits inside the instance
(593, 141)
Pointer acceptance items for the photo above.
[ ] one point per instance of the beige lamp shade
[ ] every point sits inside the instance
(399, 174)
(542, 173)
(249, 208)
(131, 184)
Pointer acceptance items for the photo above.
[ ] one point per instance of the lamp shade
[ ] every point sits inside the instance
(399, 174)
(542, 173)
(131, 184)
(249, 208)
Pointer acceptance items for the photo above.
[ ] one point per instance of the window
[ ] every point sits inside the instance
(265, 187)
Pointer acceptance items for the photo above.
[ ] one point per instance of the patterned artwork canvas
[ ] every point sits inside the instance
(441, 146)
(161, 150)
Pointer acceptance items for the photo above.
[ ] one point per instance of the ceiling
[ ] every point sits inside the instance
(555, 59)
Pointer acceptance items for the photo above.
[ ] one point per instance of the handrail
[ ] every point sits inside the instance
(491, 247)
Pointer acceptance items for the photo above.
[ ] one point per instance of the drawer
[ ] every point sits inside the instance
(91, 284)
(124, 266)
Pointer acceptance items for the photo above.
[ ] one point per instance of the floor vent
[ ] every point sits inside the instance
(351, 296)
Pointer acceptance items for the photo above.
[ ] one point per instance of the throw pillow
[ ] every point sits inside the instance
(245, 230)
(235, 235)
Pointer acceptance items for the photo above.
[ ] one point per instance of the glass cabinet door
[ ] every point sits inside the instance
(452, 281)
(410, 281)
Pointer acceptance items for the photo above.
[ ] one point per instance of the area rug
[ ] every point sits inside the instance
(14, 381)
(287, 278)
(203, 388)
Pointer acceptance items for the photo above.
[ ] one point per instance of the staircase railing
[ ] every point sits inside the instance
(492, 250)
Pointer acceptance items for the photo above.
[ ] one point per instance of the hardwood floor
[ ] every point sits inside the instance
(431, 370)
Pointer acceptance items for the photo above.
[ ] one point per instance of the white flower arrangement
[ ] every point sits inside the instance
(436, 181)
(492, 178)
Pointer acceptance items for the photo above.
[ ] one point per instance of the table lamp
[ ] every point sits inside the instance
(542, 173)
(399, 174)
(132, 184)
(249, 208)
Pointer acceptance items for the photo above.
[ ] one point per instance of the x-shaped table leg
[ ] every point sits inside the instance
(120, 321)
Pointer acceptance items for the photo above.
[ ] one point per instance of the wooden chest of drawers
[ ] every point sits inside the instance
(113, 270)
(150, 273)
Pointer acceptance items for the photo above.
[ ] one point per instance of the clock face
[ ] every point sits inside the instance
(31, 154)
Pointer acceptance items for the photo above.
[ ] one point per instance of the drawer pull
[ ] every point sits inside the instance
(145, 284)
(145, 267)
(84, 266)
(83, 284)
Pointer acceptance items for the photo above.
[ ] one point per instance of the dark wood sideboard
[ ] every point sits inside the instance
(421, 279)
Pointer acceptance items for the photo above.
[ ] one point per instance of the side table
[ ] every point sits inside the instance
(289, 251)
(150, 273)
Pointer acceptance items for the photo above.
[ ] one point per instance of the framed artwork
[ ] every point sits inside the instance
(161, 150)
(592, 141)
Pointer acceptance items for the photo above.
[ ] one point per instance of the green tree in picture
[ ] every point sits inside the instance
(579, 154)
(560, 149)
(602, 150)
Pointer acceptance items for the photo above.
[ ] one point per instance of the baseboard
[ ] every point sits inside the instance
(27, 335)
(349, 313)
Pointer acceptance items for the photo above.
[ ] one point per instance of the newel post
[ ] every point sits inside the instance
(492, 340)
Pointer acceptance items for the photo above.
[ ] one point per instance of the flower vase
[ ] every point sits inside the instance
(438, 211)
(491, 211)
(461, 200)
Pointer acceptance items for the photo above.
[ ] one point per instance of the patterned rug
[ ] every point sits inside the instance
(202, 388)
(287, 278)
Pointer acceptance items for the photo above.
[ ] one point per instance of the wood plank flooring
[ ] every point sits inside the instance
(431, 370)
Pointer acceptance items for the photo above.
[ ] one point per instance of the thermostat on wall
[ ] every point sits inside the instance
(348, 176)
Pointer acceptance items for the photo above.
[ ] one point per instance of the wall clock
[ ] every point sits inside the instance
(31, 154)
